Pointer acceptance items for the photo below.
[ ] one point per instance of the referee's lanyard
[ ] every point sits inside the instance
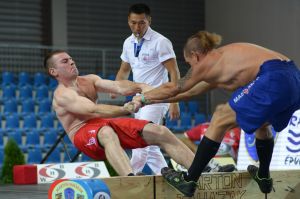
(137, 47)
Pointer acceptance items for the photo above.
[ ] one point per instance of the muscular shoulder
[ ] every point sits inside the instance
(241, 47)
(63, 94)
(89, 77)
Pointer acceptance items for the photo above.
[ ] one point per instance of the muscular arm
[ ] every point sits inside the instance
(171, 89)
(70, 101)
(122, 87)
(198, 89)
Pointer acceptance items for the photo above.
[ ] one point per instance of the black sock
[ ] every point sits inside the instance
(207, 149)
(264, 150)
(130, 174)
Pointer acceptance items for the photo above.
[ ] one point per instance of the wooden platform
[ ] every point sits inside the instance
(211, 186)
(237, 185)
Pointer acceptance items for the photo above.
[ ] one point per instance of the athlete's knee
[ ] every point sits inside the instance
(224, 116)
(220, 108)
(163, 131)
(159, 130)
(156, 134)
(220, 112)
(264, 132)
(106, 134)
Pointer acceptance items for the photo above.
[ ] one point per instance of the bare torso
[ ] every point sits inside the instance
(72, 122)
(235, 65)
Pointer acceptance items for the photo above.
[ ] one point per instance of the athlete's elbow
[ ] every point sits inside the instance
(172, 89)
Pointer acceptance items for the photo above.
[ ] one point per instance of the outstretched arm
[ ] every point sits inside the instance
(168, 90)
(122, 87)
(70, 101)
(198, 89)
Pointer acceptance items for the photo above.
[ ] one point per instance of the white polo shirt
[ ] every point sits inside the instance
(147, 67)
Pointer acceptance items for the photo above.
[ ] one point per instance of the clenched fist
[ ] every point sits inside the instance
(132, 106)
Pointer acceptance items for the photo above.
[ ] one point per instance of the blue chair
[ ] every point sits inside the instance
(29, 121)
(111, 77)
(7, 78)
(85, 158)
(32, 139)
(72, 151)
(52, 84)
(1, 140)
(8, 92)
(28, 106)
(10, 106)
(171, 124)
(24, 79)
(34, 156)
(1, 158)
(39, 79)
(193, 107)
(15, 135)
(199, 118)
(183, 107)
(59, 127)
(54, 157)
(50, 137)
(41, 92)
(186, 122)
(47, 121)
(67, 141)
(44, 106)
(12, 121)
(25, 92)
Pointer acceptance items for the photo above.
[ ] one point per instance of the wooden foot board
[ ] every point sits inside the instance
(211, 186)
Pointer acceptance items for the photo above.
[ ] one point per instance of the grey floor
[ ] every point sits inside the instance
(24, 191)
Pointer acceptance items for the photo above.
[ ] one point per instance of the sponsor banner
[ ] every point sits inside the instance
(286, 154)
(48, 173)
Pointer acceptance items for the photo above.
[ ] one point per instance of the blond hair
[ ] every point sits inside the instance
(202, 41)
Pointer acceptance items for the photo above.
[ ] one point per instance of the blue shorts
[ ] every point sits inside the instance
(272, 97)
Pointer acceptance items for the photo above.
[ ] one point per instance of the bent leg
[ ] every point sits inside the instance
(150, 154)
(222, 120)
(155, 134)
(113, 151)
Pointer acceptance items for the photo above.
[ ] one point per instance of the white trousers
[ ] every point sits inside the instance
(150, 154)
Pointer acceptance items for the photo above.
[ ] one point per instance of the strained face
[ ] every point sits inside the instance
(64, 65)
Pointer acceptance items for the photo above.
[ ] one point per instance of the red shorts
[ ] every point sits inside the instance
(127, 129)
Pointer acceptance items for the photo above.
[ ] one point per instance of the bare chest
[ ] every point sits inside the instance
(87, 91)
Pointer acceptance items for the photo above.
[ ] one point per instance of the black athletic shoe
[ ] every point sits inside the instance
(265, 184)
(177, 181)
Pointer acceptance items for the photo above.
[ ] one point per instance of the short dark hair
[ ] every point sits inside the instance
(139, 8)
(48, 57)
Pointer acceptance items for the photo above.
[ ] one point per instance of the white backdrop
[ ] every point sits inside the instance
(286, 153)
